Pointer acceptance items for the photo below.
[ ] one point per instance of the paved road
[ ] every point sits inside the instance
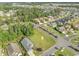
(50, 50)
(61, 42)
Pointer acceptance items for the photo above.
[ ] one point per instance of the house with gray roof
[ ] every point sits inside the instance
(28, 45)
(13, 49)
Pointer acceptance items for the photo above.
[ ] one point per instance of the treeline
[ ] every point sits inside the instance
(28, 14)
(16, 31)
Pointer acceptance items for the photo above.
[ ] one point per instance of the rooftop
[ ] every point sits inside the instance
(27, 44)
(13, 49)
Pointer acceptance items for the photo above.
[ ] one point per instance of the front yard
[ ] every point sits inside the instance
(75, 41)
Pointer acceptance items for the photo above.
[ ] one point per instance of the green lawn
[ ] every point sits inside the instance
(42, 40)
(52, 30)
(75, 41)
(64, 52)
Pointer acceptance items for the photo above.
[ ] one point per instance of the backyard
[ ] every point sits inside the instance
(41, 40)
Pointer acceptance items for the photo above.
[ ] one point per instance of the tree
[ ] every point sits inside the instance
(27, 30)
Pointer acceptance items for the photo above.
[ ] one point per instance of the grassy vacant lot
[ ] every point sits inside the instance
(42, 40)
(64, 52)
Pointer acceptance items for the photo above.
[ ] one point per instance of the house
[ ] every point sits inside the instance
(54, 24)
(13, 50)
(2, 51)
(62, 29)
(77, 26)
(27, 44)
(1, 13)
(50, 18)
(4, 27)
(7, 14)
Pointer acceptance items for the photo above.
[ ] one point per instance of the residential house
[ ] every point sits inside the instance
(2, 53)
(14, 50)
(62, 29)
(77, 26)
(1, 13)
(28, 45)
(4, 27)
